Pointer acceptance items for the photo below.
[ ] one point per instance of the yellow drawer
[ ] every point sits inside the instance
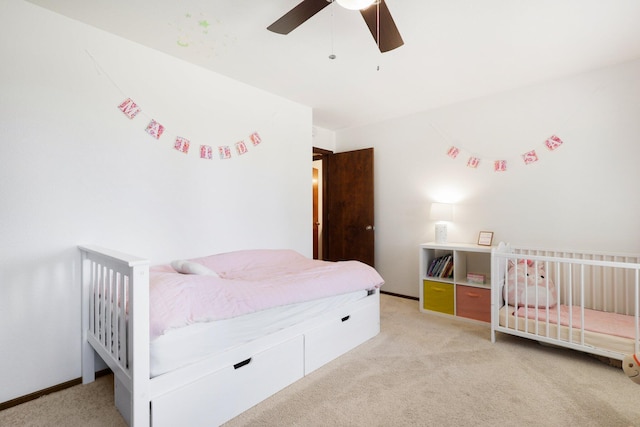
(438, 296)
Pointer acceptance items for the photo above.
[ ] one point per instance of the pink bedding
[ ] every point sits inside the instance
(594, 320)
(249, 281)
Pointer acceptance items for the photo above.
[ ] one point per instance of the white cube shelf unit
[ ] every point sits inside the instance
(463, 293)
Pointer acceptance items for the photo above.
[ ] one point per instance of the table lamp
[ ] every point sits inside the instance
(441, 213)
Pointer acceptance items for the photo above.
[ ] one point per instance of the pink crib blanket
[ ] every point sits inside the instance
(594, 320)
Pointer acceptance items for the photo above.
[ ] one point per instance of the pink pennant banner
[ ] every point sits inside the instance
(553, 142)
(473, 162)
(500, 166)
(206, 152)
(155, 129)
(241, 147)
(255, 139)
(530, 157)
(224, 152)
(181, 144)
(129, 108)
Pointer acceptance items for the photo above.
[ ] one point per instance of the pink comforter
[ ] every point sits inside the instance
(594, 320)
(249, 281)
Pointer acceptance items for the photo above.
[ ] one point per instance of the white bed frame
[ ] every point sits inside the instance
(217, 388)
(588, 280)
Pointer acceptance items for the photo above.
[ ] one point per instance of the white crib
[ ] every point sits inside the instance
(598, 297)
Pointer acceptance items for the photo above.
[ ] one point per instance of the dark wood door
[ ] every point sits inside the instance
(348, 206)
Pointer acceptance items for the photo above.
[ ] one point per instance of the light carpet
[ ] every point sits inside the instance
(421, 370)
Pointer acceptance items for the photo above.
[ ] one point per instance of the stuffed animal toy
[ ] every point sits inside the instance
(631, 367)
(523, 278)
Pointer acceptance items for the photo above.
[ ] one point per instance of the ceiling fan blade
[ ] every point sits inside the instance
(389, 35)
(297, 16)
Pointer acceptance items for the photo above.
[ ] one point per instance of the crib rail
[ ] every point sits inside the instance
(113, 284)
(584, 281)
(605, 281)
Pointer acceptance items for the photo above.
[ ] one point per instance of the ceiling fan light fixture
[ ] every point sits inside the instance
(355, 4)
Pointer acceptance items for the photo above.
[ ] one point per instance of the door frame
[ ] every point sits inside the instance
(320, 154)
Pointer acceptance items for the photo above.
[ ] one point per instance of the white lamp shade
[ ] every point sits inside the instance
(355, 4)
(441, 211)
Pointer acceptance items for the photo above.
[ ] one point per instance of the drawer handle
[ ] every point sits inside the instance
(472, 295)
(241, 364)
(438, 289)
(345, 318)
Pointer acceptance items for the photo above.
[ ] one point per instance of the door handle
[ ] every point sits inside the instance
(369, 227)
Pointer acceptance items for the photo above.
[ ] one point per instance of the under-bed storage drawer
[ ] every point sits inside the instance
(438, 296)
(473, 302)
(341, 334)
(231, 390)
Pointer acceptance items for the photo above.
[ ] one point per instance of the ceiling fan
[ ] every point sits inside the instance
(375, 13)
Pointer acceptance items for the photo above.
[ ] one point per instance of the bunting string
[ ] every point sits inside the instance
(474, 160)
(454, 150)
(181, 144)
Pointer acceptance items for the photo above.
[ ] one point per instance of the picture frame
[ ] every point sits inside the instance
(485, 238)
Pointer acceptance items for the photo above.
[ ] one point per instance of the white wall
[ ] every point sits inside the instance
(324, 138)
(581, 196)
(74, 169)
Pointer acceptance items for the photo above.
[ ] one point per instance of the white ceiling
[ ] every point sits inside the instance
(454, 49)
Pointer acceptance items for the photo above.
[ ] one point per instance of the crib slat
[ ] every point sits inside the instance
(582, 300)
(557, 298)
(637, 310)
(570, 301)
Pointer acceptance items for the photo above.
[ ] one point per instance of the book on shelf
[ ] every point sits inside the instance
(438, 268)
(476, 278)
(447, 271)
(441, 267)
(432, 266)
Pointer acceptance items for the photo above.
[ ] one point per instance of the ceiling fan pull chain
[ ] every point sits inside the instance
(332, 56)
